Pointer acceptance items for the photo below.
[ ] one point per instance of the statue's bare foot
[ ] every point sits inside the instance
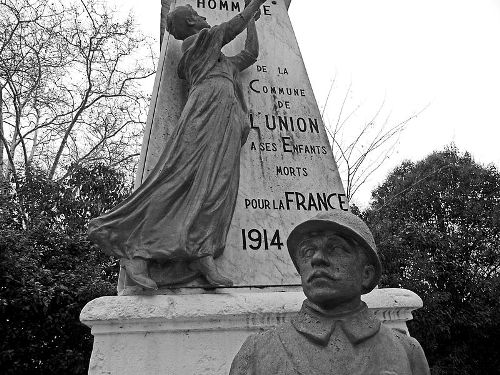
(137, 271)
(207, 267)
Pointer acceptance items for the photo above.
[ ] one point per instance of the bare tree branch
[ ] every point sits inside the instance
(362, 152)
(70, 69)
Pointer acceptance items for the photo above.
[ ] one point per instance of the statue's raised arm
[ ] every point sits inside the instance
(238, 23)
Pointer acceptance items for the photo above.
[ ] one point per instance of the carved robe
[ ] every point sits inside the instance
(316, 344)
(184, 208)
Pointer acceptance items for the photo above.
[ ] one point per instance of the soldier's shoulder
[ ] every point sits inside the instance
(262, 349)
(400, 336)
(271, 334)
(415, 353)
(407, 341)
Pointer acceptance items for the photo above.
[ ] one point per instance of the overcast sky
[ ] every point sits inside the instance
(408, 53)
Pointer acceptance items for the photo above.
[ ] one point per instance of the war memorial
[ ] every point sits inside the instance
(238, 252)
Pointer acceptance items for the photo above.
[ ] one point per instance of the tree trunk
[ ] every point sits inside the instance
(2, 166)
(11, 167)
(35, 140)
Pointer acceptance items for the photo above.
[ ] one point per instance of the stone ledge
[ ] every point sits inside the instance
(227, 310)
(198, 334)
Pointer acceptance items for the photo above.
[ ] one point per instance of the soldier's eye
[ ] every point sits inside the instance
(336, 249)
(308, 252)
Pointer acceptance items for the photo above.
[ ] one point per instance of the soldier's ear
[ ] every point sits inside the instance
(190, 21)
(368, 275)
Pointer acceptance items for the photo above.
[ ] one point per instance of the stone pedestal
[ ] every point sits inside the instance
(199, 334)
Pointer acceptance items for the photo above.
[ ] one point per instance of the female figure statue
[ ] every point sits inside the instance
(178, 219)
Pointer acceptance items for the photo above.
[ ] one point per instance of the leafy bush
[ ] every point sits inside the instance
(49, 270)
(437, 226)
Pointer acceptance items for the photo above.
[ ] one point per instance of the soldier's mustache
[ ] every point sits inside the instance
(321, 274)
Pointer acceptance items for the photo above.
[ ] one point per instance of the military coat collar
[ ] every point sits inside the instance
(317, 325)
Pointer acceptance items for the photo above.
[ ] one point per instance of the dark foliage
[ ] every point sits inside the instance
(437, 225)
(49, 270)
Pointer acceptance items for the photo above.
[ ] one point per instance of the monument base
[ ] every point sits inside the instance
(199, 334)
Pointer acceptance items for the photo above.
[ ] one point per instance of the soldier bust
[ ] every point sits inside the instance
(334, 332)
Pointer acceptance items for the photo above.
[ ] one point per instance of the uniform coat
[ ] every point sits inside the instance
(315, 343)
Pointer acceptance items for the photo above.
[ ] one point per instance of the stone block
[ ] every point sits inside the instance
(199, 334)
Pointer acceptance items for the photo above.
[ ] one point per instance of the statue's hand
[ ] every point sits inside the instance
(247, 2)
(258, 13)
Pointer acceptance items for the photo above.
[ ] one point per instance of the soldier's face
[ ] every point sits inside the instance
(333, 270)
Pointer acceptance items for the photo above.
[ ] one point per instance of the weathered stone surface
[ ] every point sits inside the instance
(200, 333)
(287, 168)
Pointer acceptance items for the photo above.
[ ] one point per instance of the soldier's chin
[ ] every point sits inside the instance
(331, 294)
(322, 294)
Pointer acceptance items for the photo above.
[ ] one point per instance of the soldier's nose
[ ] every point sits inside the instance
(319, 259)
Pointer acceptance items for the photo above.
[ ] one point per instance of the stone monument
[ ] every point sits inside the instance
(194, 323)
